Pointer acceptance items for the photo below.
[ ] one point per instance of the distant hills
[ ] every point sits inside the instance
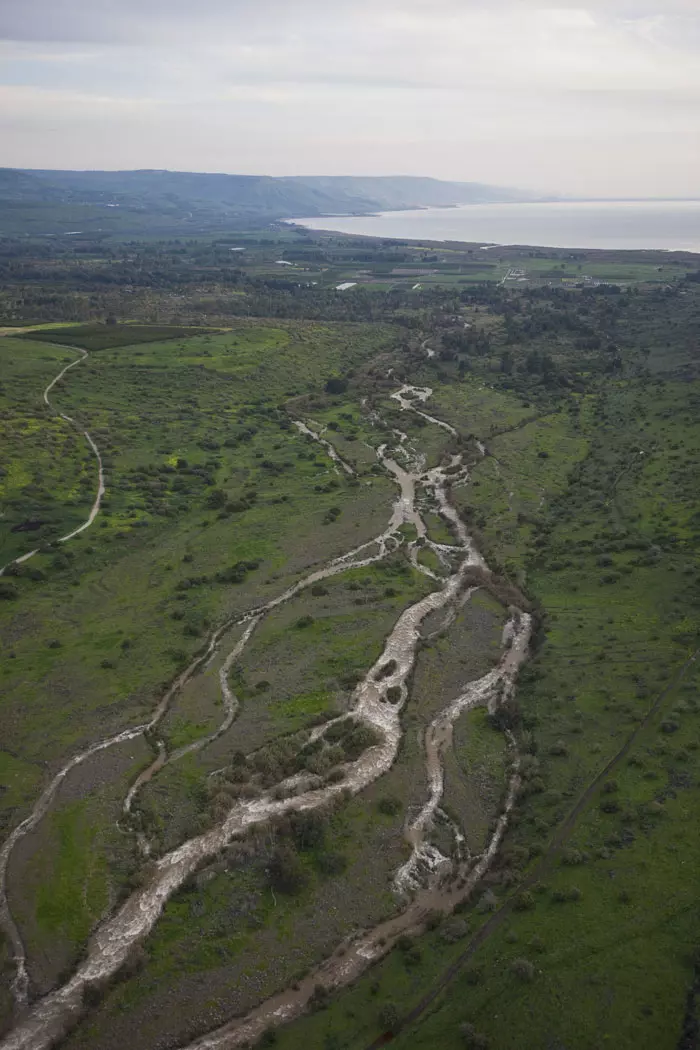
(54, 202)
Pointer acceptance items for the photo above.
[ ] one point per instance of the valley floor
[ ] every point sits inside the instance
(394, 682)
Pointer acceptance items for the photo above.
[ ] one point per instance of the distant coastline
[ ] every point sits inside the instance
(642, 224)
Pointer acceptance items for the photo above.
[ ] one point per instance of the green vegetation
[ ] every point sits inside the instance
(610, 554)
(576, 410)
(48, 474)
(108, 336)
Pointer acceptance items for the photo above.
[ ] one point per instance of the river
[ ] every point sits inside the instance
(427, 880)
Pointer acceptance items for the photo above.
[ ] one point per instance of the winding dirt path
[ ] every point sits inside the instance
(94, 510)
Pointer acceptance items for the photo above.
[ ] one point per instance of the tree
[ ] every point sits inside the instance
(309, 829)
(507, 362)
(335, 385)
(216, 499)
(286, 872)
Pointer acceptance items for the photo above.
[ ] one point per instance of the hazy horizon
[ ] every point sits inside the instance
(587, 99)
(546, 194)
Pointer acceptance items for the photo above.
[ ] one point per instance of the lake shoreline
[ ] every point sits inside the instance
(611, 225)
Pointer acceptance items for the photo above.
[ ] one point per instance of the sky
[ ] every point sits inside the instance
(598, 98)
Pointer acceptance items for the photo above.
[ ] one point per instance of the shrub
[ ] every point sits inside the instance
(331, 863)
(359, 739)
(434, 920)
(471, 1039)
(93, 994)
(319, 997)
(567, 895)
(413, 956)
(473, 975)
(304, 621)
(309, 829)
(453, 930)
(389, 805)
(349, 679)
(8, 591)
(572, 857)
(389, 1016)
(335, 385)
(286, 871)
(216, 499)
(524, 901)
(386, 670)
(523, 969)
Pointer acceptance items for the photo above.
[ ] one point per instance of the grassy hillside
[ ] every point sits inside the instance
(49, 202)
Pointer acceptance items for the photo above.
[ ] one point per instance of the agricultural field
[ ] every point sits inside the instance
(354, 647)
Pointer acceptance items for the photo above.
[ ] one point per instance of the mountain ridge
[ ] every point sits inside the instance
(158, 198)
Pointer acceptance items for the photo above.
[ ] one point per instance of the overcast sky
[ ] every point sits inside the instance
(598, 98)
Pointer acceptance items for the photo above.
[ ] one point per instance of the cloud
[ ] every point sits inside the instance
(543, 93)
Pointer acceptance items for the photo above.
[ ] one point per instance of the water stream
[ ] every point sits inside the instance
(113, 940)
(318, 436)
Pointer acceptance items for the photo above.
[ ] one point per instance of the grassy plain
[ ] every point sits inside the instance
(196, 449)
(586, 496)
(48, 473)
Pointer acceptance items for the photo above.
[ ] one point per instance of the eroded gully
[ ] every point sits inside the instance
(433, 882)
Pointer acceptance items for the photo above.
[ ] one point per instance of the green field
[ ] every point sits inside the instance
(576, 413)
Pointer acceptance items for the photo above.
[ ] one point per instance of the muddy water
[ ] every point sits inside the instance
(357, 953)
(21, 981)
(110, 946)
(491, 689)
(20, 984)
(420, 393)
(304, 429)
(114, 939)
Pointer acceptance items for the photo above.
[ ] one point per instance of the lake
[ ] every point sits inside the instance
(664, 225)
